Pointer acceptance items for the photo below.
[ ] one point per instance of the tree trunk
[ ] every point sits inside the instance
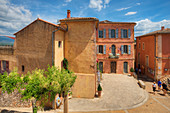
(65, 103)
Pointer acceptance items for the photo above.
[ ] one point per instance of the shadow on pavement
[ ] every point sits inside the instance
(11, 111)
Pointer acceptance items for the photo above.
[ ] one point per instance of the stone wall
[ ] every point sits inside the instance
(13, 100)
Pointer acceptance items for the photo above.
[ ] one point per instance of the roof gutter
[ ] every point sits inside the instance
(59, 28)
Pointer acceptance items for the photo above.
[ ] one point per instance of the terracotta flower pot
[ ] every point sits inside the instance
(99, 93)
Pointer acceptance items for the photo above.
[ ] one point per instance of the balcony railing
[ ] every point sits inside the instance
(113, 56)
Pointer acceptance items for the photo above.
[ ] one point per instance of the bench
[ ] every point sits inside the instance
(141, 84)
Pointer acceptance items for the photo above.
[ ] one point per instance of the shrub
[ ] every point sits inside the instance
(99, 88)
(131, 70)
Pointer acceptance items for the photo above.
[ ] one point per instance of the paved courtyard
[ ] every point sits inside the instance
(119, 92)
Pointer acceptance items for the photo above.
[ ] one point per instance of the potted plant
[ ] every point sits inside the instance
(99, 89)
(131, 70)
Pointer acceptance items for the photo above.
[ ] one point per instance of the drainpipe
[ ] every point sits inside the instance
(155, 58)
(59, 28)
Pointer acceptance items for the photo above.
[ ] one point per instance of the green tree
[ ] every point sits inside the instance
(39, 84)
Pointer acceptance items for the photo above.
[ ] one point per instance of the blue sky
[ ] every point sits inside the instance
(149, 15)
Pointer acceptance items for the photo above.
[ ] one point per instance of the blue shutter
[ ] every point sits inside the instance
(104, 30)
(129, 49)
(121, 33)
(104, 49)
(109, 33)
(97, 49)
(129, 33)
(117, 31)
(122, 49)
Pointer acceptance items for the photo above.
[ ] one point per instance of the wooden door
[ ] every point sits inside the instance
(113, 67)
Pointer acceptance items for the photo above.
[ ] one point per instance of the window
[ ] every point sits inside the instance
(126, 49)
(129, 33)
(111, 33)
(101, 49)
(125, 67)
(124, 33)
(143, 45)
(59, 44)
(23, 68)
(139, 45)
(113, 50)
(147, 61)
(102, 33)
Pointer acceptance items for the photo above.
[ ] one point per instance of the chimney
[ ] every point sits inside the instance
(162, 28)
(68, 13)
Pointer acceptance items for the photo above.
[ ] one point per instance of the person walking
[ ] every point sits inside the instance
(154, 87)
(159, 85)
(165, 89)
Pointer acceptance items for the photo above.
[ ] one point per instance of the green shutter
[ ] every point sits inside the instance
(121, 33)
(97, 49)
(129, 49)
(129, 33)
(109, 33)
(104, 49)
(104, 30)
(117, 32)
(121, 49)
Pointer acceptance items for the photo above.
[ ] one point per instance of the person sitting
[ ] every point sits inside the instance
(165, 89)
(159, 85)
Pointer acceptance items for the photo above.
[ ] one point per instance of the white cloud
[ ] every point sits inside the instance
(68, 0)
(12, 17)
(130, 13)
(138, 3)
(106, 2)
(123, 8)
(146, 26)
(97, 4)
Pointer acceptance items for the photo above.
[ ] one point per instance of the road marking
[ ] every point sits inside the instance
(126, 111)
(161, 104)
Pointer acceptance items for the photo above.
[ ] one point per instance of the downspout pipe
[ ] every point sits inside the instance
(155, 58)
(59, 28)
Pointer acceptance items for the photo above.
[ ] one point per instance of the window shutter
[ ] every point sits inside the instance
(104, 30)
(121, 33)
(104, 49)
(7, 65)
(97, 49)
(129, 33)
(122, 49)
(98, 33)
(116, 33)
(109, 33)
(129, 49)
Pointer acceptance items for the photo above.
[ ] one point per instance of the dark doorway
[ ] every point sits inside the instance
(125, 67)
(101, 66)
(113, 67)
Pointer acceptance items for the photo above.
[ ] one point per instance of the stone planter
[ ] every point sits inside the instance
(99, 93)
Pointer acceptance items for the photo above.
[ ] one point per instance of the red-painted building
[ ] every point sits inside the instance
(153, 53)
(115, 46)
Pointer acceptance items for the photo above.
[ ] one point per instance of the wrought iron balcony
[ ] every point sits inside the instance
(113, 56)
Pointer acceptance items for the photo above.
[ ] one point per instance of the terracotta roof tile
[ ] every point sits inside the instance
(110, 22)
(78, 18)
(167, 30)
(35, 21)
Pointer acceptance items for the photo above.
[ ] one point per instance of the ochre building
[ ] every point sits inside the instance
(153, 53)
